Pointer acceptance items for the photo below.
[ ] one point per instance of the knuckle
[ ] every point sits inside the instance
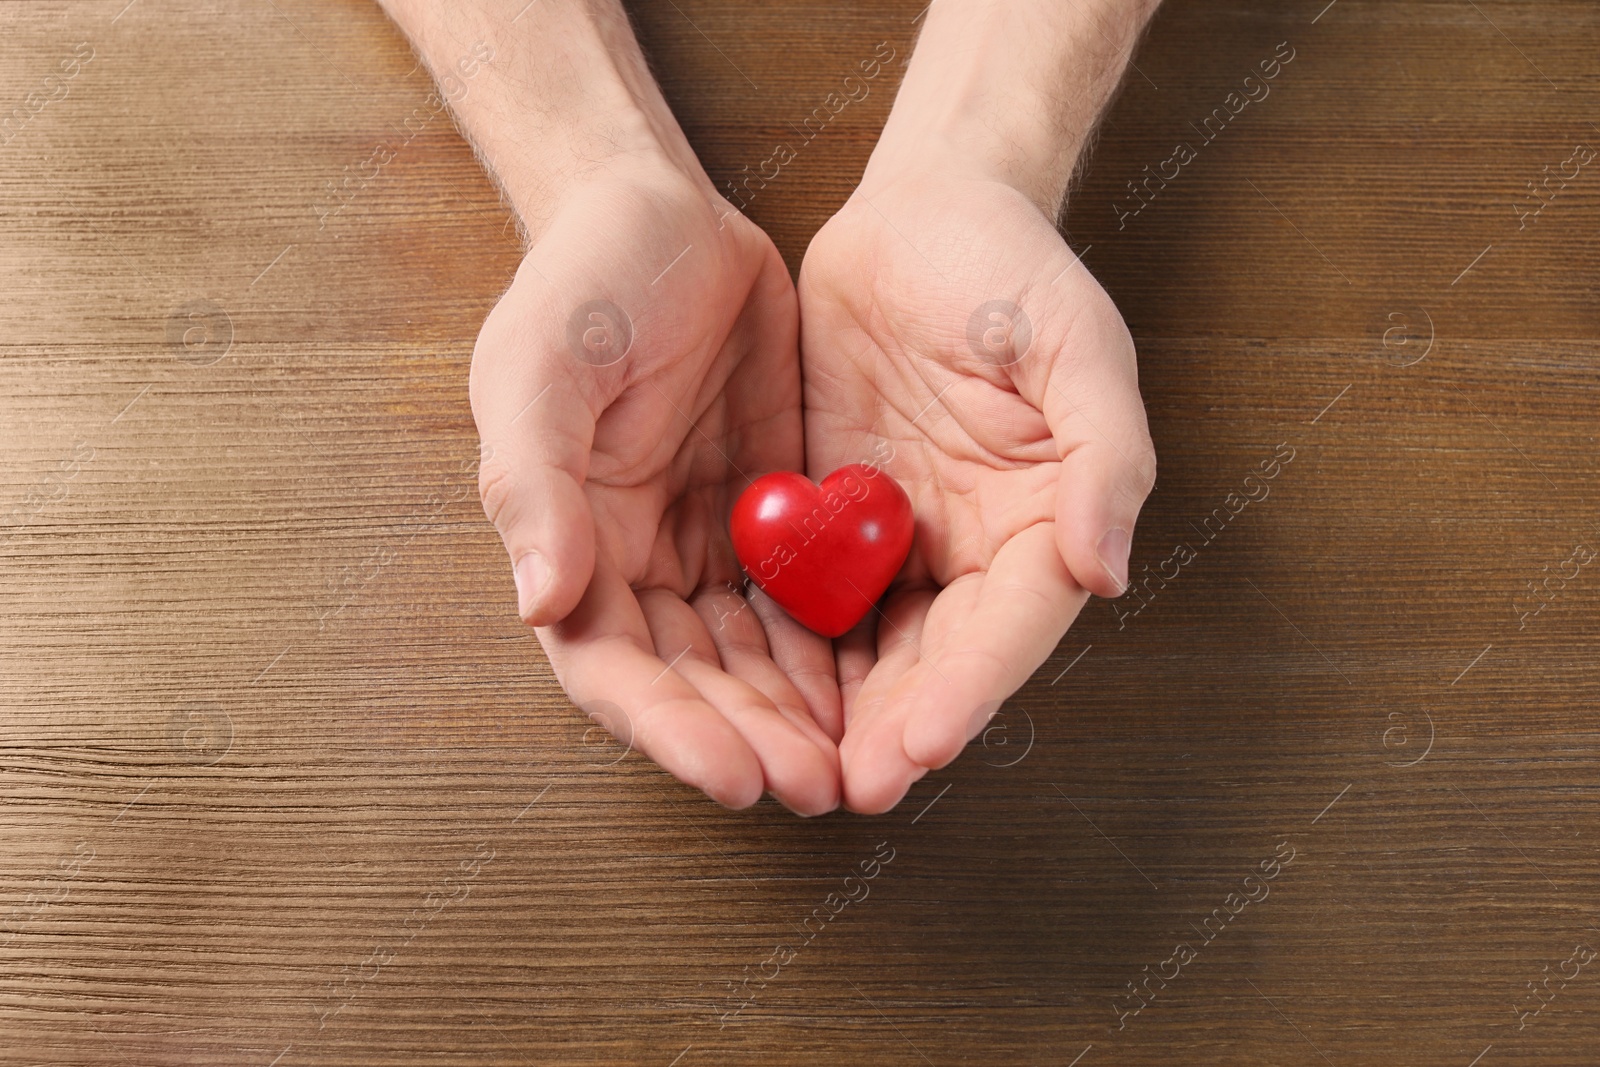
(497, 489)
(1145, 460)
(496, 356)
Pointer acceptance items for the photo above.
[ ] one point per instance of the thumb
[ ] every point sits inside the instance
(1108, 464)
(537, 428)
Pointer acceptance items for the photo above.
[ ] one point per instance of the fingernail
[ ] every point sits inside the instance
(531, 573)
(1113, 554)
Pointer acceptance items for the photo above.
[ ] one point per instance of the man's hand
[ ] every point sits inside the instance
(641, 369)
(948, 320)
(946, 324)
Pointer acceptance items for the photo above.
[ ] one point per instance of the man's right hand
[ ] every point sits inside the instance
(641, 369)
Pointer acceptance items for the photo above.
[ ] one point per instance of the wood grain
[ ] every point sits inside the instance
(285, 782)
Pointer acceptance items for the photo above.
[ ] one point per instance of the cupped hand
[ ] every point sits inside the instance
(949, 333)
(639, 372)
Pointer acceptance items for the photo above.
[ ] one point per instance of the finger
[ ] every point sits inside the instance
(739, 643)
(897, 634)
(799, 774)
(853, 657)
(798, 761)
(803, 657)
(534, 402)
(602, 652)
(872, 756)
(1026, 601)
(1108, 467)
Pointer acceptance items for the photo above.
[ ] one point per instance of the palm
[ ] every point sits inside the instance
(914, 348)
(633, 453)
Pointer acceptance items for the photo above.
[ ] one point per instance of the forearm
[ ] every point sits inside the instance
(564, 95)
(1008, 90)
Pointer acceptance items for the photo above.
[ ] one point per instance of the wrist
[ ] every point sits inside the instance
(1007, 92)
(563, 97)
(939, 148)
(622, 142)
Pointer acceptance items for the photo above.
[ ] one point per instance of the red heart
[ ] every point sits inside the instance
(825, 553)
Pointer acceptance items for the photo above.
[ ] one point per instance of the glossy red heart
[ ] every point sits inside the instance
(825, 553)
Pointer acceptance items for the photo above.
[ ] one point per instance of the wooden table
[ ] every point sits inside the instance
(285, 781)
